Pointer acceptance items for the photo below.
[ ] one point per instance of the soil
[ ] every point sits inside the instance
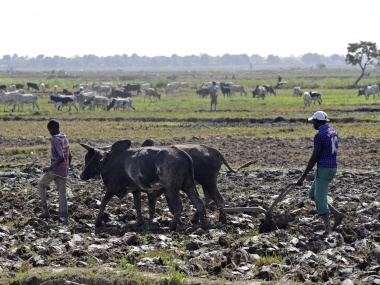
(230, 252)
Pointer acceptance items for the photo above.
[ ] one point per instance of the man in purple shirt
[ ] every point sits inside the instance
(58, 170)
(324, 155)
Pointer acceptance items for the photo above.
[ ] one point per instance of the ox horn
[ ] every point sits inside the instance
(86, 146)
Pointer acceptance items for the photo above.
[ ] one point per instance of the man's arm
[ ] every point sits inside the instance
(312, 161)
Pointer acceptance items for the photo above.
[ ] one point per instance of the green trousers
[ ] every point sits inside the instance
(320, 187)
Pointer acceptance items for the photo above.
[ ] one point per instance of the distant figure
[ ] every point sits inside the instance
(279, 78)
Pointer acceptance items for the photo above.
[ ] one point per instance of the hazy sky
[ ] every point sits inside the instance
(153, 28)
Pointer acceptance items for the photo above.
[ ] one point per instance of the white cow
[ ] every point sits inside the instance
(144, 86)
(306, 99)
(10, 98)
(368, 90)
(83, 96)
(152, 92)
(259, 92)
(55, 89)
(42, 87)
(238, 88)
(97, 101)
(297, 91)
(169, 89)
(28, 99)
(12, 88)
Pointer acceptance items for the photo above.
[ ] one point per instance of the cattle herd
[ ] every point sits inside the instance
(105, 96)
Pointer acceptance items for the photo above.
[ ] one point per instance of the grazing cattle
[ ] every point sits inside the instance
(368, 90)
(42, 87)
(133, 87)
(169, 89)
(3, 87)
(124, 169)
(83, 96)
(62, 101)
(259, 92)
(19, 86)
(207, 162)
(226, 91)
(144, 86)
(238, 88)
(96, 101)
(281, 85)
(297, 91)
(28, 99)
(103, 88)
(307, 99)
(119, 92)
(73, 97)
(32, 85)
(203, 91)
(10, 98)
(152, 92)
(316, 96)
(120, 103)
(270, 89)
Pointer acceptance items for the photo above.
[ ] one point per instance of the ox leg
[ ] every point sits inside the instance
(211, 192)
(137, 205)
(152, 199)
(107, 197)
(191, 192)
(175, 203)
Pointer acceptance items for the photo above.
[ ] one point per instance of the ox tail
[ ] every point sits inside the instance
(225, 162)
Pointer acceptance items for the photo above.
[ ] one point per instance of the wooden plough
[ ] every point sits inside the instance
(269, 223)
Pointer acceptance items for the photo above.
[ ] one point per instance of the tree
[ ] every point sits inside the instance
(362, 54)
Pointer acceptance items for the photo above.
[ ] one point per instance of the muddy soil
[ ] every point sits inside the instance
(236, 251)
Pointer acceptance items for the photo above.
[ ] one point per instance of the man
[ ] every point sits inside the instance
(57, 171)
(212, 89)
(325, 156)
(279, 78)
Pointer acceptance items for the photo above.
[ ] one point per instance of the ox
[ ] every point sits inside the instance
(103, 88)
(28, 99)
(120, 103)
(270, 89)
(259, 92)
(12, 88)
(316, 96)
(119, 92)
(226, 91)
(169, 89)
(96, 101)
(203, 91)
(42, 87)
(32, 85)
(82, 96)
(238, 88)
(281, 85)
(152, 92)
(368, 90)
(307, 99)
(207, 162)
(146, 169)
(10, 98)
(297, 91)
(62, 101)
(3, 87)
(19, 86)
(133, 87)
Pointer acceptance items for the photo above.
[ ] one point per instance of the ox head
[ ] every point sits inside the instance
(361, 91)
(93, 162)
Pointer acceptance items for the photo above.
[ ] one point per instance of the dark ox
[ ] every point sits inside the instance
(270, 89)
(316, 96)
(124, 169)
(33, 86)
(207, 162)
(3, 87)
(133, 87)
(119, 92)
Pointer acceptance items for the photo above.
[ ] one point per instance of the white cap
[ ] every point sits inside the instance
(319, 115)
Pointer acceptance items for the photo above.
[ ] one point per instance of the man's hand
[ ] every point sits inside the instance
(300, 181)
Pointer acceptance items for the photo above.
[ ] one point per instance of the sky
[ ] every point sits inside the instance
(162, 28)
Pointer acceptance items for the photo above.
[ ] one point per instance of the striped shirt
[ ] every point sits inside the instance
(327, 141)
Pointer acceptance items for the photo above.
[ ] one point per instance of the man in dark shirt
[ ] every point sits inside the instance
(325, 156)
(58, 170)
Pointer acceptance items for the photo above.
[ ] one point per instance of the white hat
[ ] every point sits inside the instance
(319, 115)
